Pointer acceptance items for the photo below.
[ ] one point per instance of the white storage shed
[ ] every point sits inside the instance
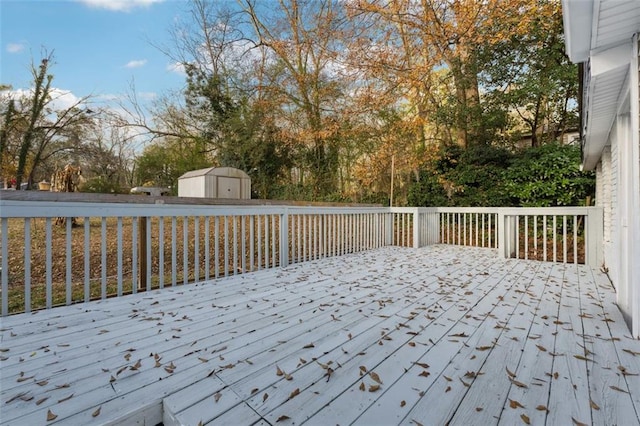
(215, 182)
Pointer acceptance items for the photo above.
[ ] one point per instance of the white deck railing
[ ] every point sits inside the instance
(112, 249)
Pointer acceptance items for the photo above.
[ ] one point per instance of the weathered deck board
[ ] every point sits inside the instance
(451, 333)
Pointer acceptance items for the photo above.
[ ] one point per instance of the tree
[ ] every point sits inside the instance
(34, 129)
(299, 40)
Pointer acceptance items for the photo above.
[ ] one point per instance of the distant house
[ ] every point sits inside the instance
(602, 36)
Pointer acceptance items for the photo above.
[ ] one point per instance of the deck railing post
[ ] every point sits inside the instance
(284, 237)
(506, 234)
(388, 229)
(416, 228)
(594, 236)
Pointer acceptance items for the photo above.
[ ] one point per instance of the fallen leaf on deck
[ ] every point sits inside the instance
(203, 359)
(310, 345)
(416, 422)
(618, 389)
(483, 348)
(542, 408)
(40, 401)
(422, 364)
(594, 405)
(279, 372)
(96, 413)
(424, 373)
(541, 348)
(374, 388)
(515, 404)
(525, 419)
(447, 389)
(254, 390)
(295, 393)
(578, 423)
(24, 378)
(583, 358)
(362, 387)
(282, 418)
(375, 377)
(403, 403)
(264, 397)
(448, 379)
(217, 396)
(66, 385)
(51, 416)
(519, 384)
(629, 351)
(412, 344)
(478, 409)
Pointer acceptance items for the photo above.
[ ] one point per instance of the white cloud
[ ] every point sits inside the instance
(176, 67)
(118, 5)
(15, 47)
(60, 99)
(136, 63)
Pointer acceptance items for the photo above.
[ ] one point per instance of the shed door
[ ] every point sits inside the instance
(228, 187)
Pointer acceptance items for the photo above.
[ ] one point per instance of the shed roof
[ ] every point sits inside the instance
(216, 171)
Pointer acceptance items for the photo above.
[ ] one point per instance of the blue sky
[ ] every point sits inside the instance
(99, 46)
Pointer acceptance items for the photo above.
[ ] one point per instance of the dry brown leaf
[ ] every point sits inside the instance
(295, 393)
(265, 396)
(96, 413)
(279, 372)
(594, 405)
(254, 390)
(375, 377)
(422, 364)
(519, 384)
(42, 383)
(412, 344)
(217, 396)
(374, 388)
(618, 389)
(310, 345)
(282, 418)
(40, 401)
(51, 416)
(416, 422)
(515, 404)
(203, 359)
(578, 423)
(541, 348)
(448, 379)
(542, 408)
(403, 403)
(525, 419)
(583, 358)
(362, 387)
(483, 348)
(447, 389)
(424, 373)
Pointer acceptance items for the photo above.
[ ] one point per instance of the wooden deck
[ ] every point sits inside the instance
(428, 336)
